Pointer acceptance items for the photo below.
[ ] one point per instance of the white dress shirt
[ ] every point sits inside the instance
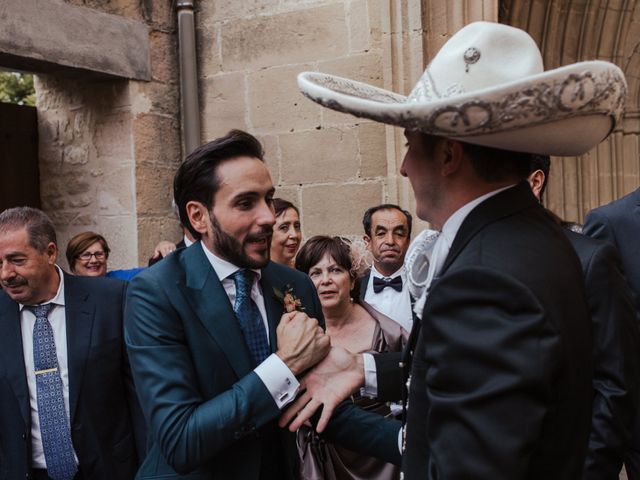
(395, 305)
(58, 321)
(274, 373)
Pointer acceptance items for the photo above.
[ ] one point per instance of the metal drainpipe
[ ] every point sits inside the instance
(188, 76)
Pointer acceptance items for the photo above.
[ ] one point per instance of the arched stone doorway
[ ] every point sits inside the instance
(570, 31)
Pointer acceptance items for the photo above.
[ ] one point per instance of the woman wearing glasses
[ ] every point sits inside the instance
(87, 254)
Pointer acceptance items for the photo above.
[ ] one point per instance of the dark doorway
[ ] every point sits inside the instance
(20, 185)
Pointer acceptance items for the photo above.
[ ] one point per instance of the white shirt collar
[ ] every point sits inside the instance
(187, 242)
(223, 268)
(376, 273)
(58, 299)
(453, 223)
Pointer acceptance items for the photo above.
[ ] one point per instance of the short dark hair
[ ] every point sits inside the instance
(80, 242)
(497, 165)
(196, 178)
(280, 205)
(318, 246)
(540, 162)
(366, 219)
(40, 229)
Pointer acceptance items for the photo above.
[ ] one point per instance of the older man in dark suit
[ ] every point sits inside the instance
(67, 406)
(214, 347)
(499, 364)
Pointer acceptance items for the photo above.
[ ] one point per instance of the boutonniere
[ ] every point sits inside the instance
(289, 301)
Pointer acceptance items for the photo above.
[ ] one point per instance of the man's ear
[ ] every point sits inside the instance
(453, 154)
(367, 241)
(198, 216)
(536, 180)
(52, 253)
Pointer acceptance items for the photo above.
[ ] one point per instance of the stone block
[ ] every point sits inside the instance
(373, 150)
(275, 103)
(164, 56)
(223, 101)
(157, 139)
(271, 156)
(365, 68)
(358, 21)
(209, 51)
(114, 193)
(326, 155)
(338, 209)
(120, 231)
(155, 97)
(153, 229)
(113, 138)
(154, 188)
(294, 37)
(223, 11)
(39, 34)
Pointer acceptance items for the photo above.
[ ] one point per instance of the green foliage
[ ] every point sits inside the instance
(17, 88)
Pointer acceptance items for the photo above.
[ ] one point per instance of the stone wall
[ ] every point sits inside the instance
(109, 147)
(331, 165)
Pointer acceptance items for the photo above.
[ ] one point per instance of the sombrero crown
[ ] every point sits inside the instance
(487, 86)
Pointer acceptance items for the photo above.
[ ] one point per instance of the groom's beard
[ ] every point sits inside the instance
(234, 252)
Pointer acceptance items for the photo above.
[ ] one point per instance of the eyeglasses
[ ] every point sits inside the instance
(86, 256)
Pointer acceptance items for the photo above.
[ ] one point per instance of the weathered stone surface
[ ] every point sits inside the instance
(223, 101)
(164, 56)
(152, 229)
(154, 97)
(338, 209)
(365, 68)
(359, 30)
(275, 103)
(317, 156)
(156, 139)
(120, 232)
(294, 37)
(154, 188)
(113, 137)
(40, 34)
(372, 145)
(224, 11)
(114, 193)
(271, 156)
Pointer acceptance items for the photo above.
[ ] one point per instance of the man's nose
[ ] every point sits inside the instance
(266, 215)
(6, 271)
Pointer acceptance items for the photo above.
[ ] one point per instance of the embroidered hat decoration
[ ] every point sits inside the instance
(487, 86)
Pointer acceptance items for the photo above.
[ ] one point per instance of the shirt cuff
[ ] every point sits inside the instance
(400, 433)
(370, 388)
(278, 379)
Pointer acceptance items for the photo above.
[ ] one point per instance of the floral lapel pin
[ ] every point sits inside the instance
(288, 299)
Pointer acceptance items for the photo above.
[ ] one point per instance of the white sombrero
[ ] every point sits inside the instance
(487, 86)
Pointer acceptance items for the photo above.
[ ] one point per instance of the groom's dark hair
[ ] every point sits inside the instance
(197, 180)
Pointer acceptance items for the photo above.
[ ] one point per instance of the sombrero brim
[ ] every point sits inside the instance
(565, 111)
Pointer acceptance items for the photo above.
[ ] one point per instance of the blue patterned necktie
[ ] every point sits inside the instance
(249, 316)
(54, 424)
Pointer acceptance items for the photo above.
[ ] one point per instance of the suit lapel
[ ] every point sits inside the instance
(80, 313)
(13, 356)
(209, 300)
(272, 305)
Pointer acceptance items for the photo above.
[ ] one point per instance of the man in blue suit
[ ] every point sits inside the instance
(67, 406)
(618, 223)
(214, 352)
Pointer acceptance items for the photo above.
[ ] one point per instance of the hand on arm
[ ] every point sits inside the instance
(333, 380)
(163, 249)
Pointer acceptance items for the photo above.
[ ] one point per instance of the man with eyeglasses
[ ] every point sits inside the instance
(67, 405)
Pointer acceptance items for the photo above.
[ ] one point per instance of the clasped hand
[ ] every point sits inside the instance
(301, 341)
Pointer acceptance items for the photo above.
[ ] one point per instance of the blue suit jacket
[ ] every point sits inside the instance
(103, 409)
(209, 414)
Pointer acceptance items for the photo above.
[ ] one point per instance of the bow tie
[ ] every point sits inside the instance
(380, 284)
